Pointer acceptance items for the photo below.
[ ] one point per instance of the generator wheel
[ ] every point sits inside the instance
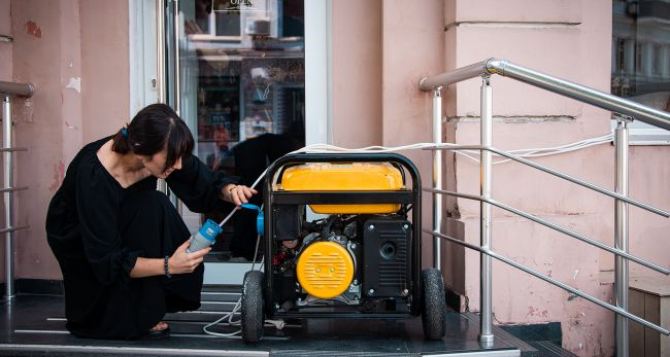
(434, 312)
(253, 317)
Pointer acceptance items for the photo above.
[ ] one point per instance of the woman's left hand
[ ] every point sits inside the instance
(237, 194)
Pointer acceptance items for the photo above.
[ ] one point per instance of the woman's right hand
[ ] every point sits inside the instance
(182, 262)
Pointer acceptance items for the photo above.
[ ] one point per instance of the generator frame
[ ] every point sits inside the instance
(403, 196)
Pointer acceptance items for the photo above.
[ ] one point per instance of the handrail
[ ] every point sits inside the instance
(555, 282)
(555, 227)
(553, 84)
(7, 91)
(14, 88)
(628, 110)
(534, 165)
(456, 75)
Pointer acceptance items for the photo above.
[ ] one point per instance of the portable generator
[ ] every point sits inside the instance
(357, 254)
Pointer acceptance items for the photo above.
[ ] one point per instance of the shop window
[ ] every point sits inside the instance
(641, 61)
(243, 65)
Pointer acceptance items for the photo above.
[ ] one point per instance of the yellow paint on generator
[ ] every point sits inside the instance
(356, 176)
(325, 269)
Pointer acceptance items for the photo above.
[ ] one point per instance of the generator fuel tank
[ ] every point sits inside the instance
(356, 176)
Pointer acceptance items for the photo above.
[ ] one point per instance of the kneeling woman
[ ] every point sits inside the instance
(121, 244)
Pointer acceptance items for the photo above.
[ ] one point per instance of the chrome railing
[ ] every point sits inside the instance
(8, 90)
(628, 109)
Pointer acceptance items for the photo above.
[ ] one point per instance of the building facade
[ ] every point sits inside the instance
(352, 78)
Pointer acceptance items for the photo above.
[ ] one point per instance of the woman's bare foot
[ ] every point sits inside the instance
(159, 327)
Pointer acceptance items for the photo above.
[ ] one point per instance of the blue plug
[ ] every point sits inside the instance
(260, 218)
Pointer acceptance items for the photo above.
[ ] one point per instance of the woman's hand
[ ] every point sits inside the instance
(182, 262)
(237, 194)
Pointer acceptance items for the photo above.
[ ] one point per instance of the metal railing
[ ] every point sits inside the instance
(8, 90)
(628, 109)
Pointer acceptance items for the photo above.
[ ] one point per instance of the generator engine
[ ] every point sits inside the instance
(345, 259)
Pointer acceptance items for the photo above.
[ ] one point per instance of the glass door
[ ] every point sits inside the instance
(236, 74)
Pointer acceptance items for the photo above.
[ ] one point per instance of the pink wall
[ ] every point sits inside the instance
(357, 29)
(5, 48)
(76, 54)
(569, 39)
(105, 67)
(413, 46)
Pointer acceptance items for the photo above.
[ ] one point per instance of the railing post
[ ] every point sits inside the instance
(8, 181)
(486, 135)
(621, 235)
(437, 177)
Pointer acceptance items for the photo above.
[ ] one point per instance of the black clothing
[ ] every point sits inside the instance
(252, 157)
(97, 230)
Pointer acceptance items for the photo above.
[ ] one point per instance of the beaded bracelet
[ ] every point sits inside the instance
(166, 267)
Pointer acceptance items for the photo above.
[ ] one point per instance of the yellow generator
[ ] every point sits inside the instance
(342, 240)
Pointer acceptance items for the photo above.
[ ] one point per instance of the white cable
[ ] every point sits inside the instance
(470, 154)
(279, 324)
(529, 153)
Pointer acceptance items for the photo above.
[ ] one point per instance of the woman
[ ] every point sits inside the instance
(121, 245)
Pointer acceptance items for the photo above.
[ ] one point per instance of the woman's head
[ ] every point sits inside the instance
(158, 135)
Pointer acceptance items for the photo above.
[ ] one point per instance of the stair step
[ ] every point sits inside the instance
(222, 289)
(220, 297)
(223, 306)
(197, 316)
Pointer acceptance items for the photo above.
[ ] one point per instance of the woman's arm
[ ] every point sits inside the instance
(198, 187)
(237, 194)
(203, 190)
(181, 262)
(145, 267)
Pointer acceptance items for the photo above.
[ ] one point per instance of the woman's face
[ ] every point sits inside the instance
(156, 164)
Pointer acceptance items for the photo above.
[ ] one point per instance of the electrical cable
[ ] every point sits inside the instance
(279, 324)
(470, 154)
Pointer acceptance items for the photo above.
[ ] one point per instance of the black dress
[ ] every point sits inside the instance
(97, 230)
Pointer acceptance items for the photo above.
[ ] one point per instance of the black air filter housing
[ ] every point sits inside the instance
(386, 271)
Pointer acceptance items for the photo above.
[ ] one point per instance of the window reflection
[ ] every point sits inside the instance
(243, 80)
(641, 51)
(247, 65)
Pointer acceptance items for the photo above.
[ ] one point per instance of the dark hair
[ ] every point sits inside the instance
(152, 129)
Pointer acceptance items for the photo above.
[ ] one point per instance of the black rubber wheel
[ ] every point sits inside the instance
(434, 312)
(253, 317)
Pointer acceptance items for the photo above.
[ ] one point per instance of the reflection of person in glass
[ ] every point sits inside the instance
(252, 157)
(220, 159)
(121, 244)
(201, 22)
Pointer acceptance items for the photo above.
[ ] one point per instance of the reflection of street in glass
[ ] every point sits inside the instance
(261, 81)
(257, 125)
